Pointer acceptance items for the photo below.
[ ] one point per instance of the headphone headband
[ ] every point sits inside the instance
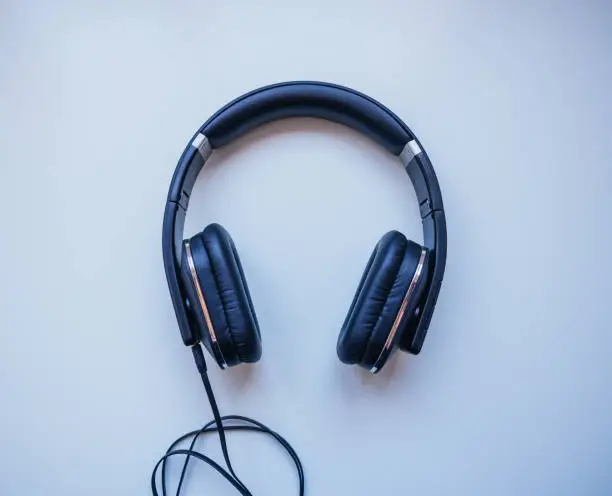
(307, 99)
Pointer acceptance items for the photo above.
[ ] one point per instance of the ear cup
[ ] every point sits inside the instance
(377, 302)
(226, 294)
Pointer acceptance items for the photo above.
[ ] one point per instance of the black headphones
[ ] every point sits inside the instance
(396, 296)
(393, 303)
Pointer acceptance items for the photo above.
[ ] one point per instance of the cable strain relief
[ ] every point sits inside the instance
(198, 356)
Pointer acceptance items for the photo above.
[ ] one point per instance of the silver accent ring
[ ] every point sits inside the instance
(203, 146)
(400, 313)
(410, 150)
(207, 319)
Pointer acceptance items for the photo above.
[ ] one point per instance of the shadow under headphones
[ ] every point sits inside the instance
(396, 296)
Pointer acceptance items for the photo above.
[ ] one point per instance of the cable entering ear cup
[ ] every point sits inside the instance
(227, 304)
(390, 274)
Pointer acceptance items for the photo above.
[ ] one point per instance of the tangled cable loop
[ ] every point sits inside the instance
(220, 426)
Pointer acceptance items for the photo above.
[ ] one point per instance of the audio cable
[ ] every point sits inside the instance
(219, 425)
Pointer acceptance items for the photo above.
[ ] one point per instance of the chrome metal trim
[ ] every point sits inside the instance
(203, 145)
(411, 150)
(196, 283)
(400, 313)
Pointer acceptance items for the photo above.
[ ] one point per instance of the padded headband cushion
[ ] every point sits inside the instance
(307, 99)
(227, 295)
(378, 298)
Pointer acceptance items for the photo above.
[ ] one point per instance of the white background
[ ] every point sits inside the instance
(511, 394)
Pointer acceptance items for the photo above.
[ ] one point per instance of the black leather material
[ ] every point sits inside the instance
(307, 99)
(378, 298)
(226, 294)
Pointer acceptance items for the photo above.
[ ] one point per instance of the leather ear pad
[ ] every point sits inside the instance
(226, 295)
(383, 286)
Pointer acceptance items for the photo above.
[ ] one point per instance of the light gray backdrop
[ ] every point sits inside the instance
(511, 394)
